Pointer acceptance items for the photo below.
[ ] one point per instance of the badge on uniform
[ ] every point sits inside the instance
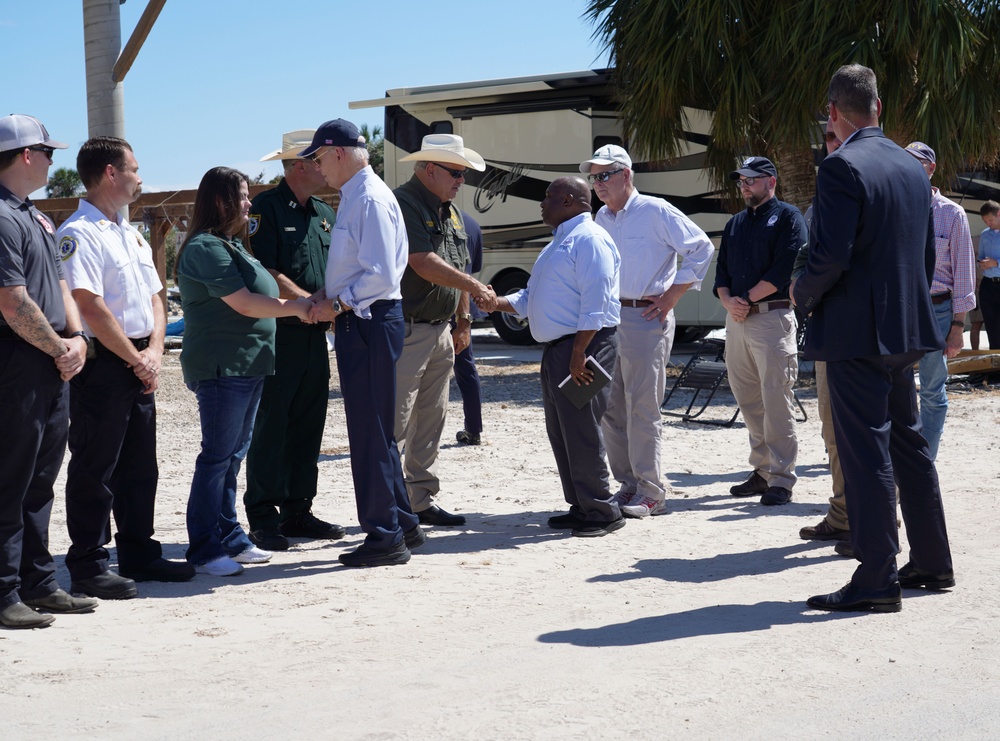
(254, 224)
(773, 220)
(327, 226)
(67, 247)
(44, 222)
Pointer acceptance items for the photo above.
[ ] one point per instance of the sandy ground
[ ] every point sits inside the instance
(691, 625)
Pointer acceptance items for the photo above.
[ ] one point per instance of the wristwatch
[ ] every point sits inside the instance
(337, 307)
(957, 323)
(79, 333)
(467, 317)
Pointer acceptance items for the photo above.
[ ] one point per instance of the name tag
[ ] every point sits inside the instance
(290, 229)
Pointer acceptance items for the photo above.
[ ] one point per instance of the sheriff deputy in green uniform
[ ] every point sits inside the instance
(290, 235)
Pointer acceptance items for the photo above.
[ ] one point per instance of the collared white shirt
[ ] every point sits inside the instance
(368, 246)
(573, 284)
(650, 233)
(111, 260)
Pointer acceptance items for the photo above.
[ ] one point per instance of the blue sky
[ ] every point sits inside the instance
(218, 81)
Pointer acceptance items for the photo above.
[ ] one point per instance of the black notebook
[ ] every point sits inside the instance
(581, 395)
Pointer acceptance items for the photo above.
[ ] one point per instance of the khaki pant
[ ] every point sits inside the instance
(836, 516)
(633, 428)
(422, 375)
(763, 365)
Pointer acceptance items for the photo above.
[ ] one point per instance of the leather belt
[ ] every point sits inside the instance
(766, 306)
(940, 298)
(432, 322)
(140, 344)
(635, 303)
(991, 280)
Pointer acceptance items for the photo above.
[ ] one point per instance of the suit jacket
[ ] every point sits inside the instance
(867, 280)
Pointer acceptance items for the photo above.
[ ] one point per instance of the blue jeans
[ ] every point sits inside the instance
(227, 407)
(933, 375)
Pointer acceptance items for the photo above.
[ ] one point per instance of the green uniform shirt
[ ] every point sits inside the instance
(218, 340)
(424, 301)
(292, 239)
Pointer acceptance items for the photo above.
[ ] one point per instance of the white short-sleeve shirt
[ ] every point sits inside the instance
(111, 260)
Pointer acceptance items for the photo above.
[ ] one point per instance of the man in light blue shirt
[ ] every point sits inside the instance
(989, 260)
(571, 303)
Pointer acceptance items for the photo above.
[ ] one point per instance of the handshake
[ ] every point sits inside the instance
(485, 298)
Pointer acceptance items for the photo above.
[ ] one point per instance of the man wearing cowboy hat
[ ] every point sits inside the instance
(435, 287)
(290, 235)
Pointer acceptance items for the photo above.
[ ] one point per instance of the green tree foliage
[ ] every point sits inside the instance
(763, 67)
(376, 147)
(64, 183)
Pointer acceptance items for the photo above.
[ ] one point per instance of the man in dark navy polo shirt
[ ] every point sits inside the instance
(756, 256)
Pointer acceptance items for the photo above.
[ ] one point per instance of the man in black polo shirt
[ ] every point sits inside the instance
(290, 235)
(756, 256)
(435, 287)
(42, 345)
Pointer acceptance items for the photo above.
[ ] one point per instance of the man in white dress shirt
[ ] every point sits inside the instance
(112, 435)
(650, 233)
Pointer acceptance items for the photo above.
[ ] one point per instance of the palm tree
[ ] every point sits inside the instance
(763, 67)
(376, 147)
(64, 183)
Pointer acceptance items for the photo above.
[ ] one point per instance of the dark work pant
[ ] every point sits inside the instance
(367, 351)
(875, 419)
(467, 378)
(34, 408)
(112, 440)
(575, 434)
(282, 473)
(989, 304)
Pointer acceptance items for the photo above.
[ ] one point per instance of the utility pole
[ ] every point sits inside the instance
(102, 41)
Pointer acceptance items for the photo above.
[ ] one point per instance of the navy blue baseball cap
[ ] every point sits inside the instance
(754, 166)
(335, 133)
(921, 151)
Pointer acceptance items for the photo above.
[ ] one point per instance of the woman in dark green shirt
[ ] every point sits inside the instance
(230, 302)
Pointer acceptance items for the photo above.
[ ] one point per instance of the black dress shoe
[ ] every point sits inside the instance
(415, 537)
(852, 599)
(845, 549)
(434, 515)
(105, 586)
(912, 578)
(269, 540)
(468, 438)
(598, 529)
(755, 484)
(61, 602)
(364, 555)
(776, 495)
(568, 521)
(824, 531)
(160, 570)
(307, 525)
(19, 615)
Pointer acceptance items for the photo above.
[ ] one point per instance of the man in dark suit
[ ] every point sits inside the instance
(867, 285)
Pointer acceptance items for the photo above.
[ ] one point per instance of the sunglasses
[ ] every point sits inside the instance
(603, 177)
(47, 151)
(831, 136)
(747, 182)
(457, 174)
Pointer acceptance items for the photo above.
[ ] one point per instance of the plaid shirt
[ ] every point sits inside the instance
(954, 268)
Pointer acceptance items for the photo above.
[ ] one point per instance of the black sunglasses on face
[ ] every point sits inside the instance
(47, 151)
(457, 174)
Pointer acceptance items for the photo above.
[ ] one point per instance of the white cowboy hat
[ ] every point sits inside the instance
(291, 144)
(447, 148)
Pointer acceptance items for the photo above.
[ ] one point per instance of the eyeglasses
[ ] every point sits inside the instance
(831, 136)
(603, 177)
(457, 174)
(747, 182)
(47, 151)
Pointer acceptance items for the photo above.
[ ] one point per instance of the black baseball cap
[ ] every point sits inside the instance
(335, 133)
(753, 166)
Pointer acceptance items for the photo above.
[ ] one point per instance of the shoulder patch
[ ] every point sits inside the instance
(67, 247)
(773, 220)
(254, 224)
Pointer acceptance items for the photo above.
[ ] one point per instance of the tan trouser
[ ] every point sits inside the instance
(836, 516)
(422, 375)
(762, 361)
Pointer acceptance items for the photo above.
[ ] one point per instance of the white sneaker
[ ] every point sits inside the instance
(644, 506)
(253, 554)
(221, 566)
(623, 497)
